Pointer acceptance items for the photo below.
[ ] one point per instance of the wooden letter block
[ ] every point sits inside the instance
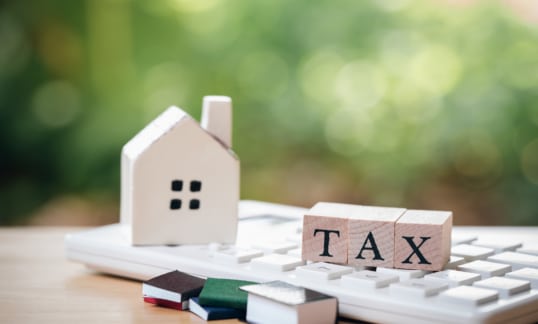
(371, 235)
(325, 236)
(422, 240)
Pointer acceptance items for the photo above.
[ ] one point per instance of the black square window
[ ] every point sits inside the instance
(177, 185)
(196, 186)
(175, 204)
(194, 204)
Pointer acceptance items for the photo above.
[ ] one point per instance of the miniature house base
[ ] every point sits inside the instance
(180, 181)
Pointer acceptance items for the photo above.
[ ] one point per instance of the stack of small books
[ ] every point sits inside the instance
(210, 299)
(215, 299)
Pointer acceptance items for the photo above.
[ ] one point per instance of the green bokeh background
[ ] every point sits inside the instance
(419, 104)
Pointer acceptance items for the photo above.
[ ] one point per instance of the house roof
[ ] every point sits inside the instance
(164, 123)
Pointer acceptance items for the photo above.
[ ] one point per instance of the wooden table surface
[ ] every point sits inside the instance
(38, 285)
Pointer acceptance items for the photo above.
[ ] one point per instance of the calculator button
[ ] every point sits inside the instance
(453, 278)
(528, 274)
(275, 247)
(468, 296)
(498, 246)
(505, 286)
(417, 288)
(454, 262)
(215, 246)
(486, 268)
(462, 239)
(529, 249)
(368, 279)
(471, 252)
(295, 238)
(237, 255)
(323, 271)
(295, 252)
(516, 260)
(276, 262)
(403, 274)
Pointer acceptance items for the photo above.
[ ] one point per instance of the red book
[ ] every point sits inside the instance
(184, 305)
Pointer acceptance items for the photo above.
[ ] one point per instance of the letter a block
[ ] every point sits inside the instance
(325, 236)
(371, 235)
(422, 240)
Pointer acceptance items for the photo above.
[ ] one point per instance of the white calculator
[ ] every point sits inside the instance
(492, 276)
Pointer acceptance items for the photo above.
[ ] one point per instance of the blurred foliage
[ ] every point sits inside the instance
(421, 104)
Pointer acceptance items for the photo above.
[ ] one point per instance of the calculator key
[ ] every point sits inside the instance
(237, 255)
(295, 252)
(468, 296)
(529, 249)
(276, 262)
(486, 268)
(471, 252)
(403, 274)
(462, 239)
(417, 287)
(362, 268)
(454, 262)
(529, 274)
(516, 260)
(275, 247)
(368, 279)
(215, 246)
(295, 238)
(453, 278)
(323, 271)
(498, 246)
(505, 286)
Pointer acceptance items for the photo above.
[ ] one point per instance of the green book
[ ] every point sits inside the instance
(224, 293)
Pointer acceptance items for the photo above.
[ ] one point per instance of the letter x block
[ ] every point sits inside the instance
(325, 236)
(371, 235)
(422, 240)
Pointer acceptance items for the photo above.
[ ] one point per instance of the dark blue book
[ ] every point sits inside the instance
(209, 313)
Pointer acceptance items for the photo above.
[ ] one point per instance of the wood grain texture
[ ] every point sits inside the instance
(371, 236)
(426, 234)
(40, 286)
(325, 237)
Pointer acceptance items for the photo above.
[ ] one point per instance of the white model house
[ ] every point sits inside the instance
(180, 179)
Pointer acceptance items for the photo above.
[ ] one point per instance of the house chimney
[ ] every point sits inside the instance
(217, 118)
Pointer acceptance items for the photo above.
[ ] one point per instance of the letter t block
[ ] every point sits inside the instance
(325, 234)
(422, 240)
